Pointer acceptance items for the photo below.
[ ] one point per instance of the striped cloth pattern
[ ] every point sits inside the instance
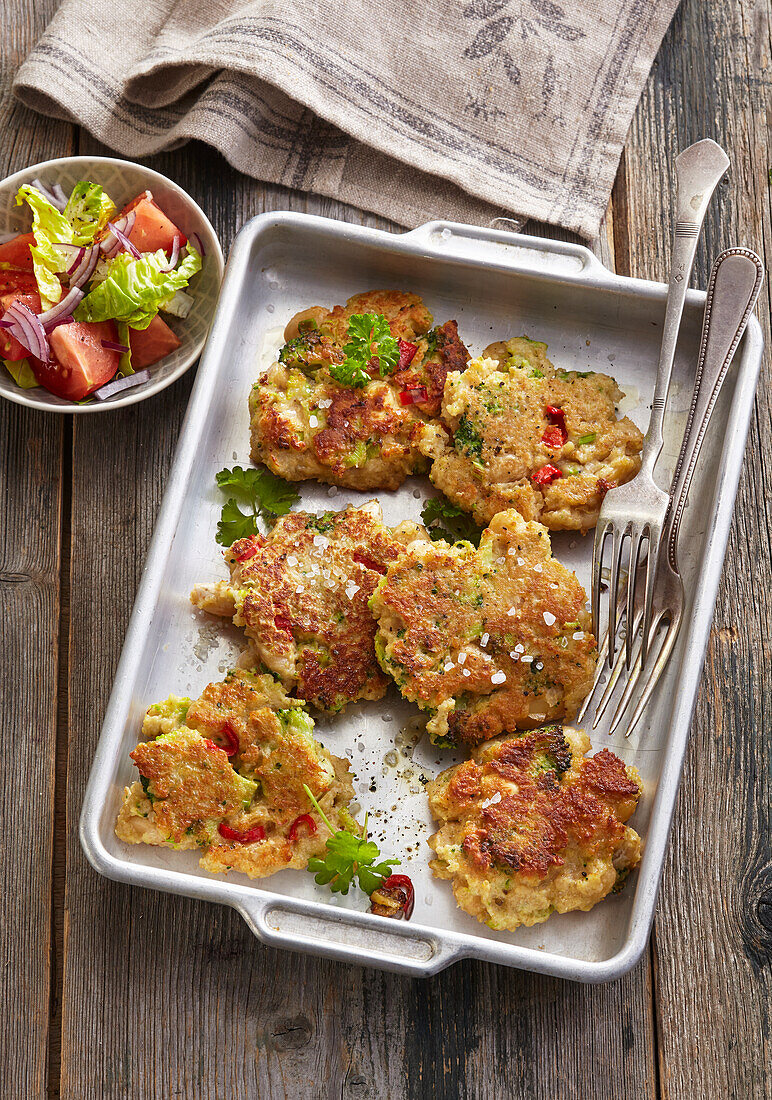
(465, 110)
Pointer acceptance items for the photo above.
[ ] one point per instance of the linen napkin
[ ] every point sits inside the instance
(464, 110)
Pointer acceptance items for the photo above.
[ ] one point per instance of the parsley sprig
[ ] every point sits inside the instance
(444, 520)
(369, 336)
(349, 858)
(267, 495)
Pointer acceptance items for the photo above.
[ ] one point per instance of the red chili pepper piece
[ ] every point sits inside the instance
(546, 475)
(250, 548)
(281, 622)
(304, 819)
(414, 395)
(369, 563)
(231, 747)
(604, 485)
(554, 437)
(257, 832)
(394, 898)
(406, 353)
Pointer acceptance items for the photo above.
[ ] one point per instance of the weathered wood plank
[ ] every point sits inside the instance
(31, 482)
(713, 935)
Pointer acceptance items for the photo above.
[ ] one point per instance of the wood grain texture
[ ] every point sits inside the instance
(713, 934)
(185, 1001)
(31, 446)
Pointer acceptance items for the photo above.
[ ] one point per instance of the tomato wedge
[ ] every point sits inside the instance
(80, 364)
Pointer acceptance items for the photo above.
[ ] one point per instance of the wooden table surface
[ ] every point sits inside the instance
(118, 992)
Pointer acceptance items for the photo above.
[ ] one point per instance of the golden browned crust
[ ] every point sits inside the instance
(486, 640)
(191, 780)
(513, 416)
(529, 827)
(193, 794)
(302, 594)
(430, 367)
(305, 424)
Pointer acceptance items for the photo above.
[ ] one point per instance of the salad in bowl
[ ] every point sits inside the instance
(95, 295)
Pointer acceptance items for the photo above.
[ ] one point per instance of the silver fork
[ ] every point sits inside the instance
(637, 510)
(735, 283)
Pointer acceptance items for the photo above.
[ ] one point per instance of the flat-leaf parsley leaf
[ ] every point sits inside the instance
(369, 337)
(267, 496)
(349, 858)
(444, 520)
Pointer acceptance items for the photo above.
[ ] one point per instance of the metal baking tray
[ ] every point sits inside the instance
(495, 284)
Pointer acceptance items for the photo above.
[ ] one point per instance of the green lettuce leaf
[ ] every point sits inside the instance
(88, 209)
(50, 227)
(124, 364)
(135, 290)
(21, 372)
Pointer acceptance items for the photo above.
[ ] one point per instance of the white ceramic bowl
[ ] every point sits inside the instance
(122, 180)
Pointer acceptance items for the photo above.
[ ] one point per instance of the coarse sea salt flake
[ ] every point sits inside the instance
(299, 589)
(485, 638)
(325, 403)
(526, 659)
(320, 540)
(448, 666)
(537, 568)
(461, 658)
(549, 618)
(494, 798)
(313, 421)
(292, 560)
(578, 635)
(511, 611)
(498, 678)
(351, 589)
(465, 671)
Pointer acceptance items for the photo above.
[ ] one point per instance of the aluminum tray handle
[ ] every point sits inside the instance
(348, 936)
(510, 251)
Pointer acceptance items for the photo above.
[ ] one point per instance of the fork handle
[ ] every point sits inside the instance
(734, 286)
(698, 170)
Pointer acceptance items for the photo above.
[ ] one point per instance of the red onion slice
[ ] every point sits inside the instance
(122, 384)
(112, 345)
(49, 195)
(73, 254)
(62, 308)
(110, 243)
(85, 268)
(124, 240)
(171, 263)
(198, 244)
(58, 190)
(49, 326)
(28, 330)
(118, 234)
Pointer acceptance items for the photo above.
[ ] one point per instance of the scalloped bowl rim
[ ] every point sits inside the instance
(40, 398)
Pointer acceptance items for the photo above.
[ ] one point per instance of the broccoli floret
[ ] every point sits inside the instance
(309, 351)
(466, 438)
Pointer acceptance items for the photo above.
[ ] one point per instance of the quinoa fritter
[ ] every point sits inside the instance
(486, 640)
(305, 424)
(529, 436)
(301, 594)
(225, 774)
(529, 827)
